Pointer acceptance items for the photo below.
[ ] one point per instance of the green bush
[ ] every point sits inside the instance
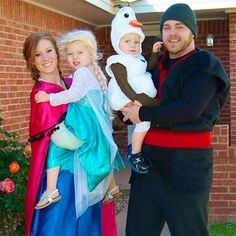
(14, 162)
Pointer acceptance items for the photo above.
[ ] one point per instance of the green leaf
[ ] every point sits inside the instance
(12, 205)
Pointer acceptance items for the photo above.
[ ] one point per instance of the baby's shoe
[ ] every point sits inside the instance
(136, 161)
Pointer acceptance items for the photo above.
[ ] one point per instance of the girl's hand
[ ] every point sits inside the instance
(41, 96)
(157, 46)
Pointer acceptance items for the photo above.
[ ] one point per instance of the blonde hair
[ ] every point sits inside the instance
(89, 40)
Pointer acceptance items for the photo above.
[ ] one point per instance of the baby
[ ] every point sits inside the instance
(129, 79)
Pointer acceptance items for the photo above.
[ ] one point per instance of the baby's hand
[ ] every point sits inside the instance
(41, 96)
(157, 46)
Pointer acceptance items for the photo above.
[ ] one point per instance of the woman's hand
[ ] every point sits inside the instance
(41, 96)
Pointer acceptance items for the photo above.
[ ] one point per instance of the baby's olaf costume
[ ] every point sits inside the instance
(129, 79)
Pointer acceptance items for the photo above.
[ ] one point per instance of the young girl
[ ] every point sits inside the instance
(89, 119)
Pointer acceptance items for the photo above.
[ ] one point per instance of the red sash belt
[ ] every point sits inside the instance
(178, 139)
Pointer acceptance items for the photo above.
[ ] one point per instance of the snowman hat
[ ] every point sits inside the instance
(123, 23)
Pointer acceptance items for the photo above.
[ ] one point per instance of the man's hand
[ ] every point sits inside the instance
(41, 96)
(132, 113)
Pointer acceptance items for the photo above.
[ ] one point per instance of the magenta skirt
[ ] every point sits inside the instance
(109, 227)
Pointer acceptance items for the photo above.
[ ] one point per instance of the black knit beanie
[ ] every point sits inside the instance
(180, 12)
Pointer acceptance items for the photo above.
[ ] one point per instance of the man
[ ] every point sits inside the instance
(192, 88)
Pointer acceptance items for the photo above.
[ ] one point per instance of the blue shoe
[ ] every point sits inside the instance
(136, 161)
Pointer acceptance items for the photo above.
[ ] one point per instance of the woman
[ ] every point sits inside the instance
(42, 58)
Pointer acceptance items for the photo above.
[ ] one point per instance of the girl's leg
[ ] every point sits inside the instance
(113, 187)
(51, 189)
(52, 176)
(113, 191)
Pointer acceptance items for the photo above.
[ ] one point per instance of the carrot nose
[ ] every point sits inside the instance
(136, 23)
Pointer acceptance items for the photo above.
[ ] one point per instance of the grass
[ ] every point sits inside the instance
(222, 228)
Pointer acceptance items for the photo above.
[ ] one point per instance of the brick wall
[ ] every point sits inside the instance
(222, 205)
(18, 19)
(232, 63)
(103, 36)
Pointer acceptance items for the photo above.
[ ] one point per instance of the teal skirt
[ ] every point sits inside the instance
(94, 155)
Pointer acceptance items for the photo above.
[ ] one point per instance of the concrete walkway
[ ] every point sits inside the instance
(122, 178)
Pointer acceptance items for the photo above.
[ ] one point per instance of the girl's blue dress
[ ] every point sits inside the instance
(89, 119)
(95, 153)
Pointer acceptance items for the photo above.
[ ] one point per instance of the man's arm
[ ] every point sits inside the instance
(188, 107)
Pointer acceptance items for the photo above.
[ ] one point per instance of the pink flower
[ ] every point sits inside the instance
(7, 186)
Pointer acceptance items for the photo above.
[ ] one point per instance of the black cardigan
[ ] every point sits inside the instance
(193, 94)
